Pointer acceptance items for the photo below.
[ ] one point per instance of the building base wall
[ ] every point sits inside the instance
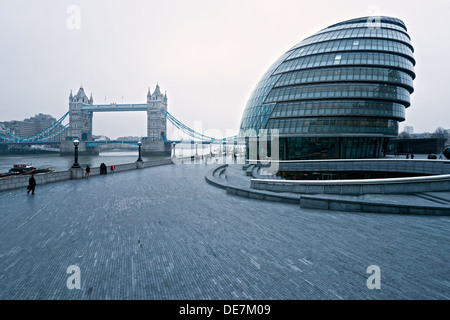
(417, 146)
(312, 148)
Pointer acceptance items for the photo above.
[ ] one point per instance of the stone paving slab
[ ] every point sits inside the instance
(237, 177)
(164, 233)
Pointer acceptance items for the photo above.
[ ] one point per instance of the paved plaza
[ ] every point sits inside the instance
(164, 233)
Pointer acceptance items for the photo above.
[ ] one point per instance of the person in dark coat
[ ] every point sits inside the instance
(103, 169)
(88, 171)
(31, 184)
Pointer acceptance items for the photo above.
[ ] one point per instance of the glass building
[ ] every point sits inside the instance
(337, 94)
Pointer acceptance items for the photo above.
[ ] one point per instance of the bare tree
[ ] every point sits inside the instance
(441, 132)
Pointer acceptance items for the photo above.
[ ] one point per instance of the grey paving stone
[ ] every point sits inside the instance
(164, 233)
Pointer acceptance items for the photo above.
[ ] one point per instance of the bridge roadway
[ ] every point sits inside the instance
(114, 107)
(164, 233)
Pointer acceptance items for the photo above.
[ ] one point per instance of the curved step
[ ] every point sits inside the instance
(213, 177)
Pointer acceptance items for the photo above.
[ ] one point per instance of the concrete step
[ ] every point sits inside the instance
(432, 198)
(345, 203)
(213, 176)
(249, 170)
(223, 174)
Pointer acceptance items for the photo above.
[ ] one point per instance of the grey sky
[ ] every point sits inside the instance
(207, 54)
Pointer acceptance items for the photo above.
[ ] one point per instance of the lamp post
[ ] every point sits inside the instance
(139, 145)
(76, 142)
(173, 148)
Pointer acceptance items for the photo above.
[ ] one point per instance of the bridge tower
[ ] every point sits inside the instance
(80, 126)
(156, 124)
(80, 120)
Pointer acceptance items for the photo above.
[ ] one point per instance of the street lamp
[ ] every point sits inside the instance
(139, 145)
(173, 148)
(76, 142)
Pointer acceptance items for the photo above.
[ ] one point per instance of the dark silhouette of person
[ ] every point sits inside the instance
(103, 168)
(31, 184)
(412, 155)
(88, 171)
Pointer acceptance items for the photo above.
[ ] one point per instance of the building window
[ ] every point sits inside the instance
(337, 59)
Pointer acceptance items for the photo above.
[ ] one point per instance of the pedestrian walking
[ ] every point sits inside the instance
(31, 184)
(412, 155)
(88, 171)
(407, 156)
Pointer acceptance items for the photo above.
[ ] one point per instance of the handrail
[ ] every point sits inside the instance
(442, 177)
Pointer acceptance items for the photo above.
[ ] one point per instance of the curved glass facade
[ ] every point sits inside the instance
(337, 94)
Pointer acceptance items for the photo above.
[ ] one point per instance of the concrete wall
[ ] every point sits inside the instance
(8, 183)
(323, 203)
(42, 178)
(356, 187)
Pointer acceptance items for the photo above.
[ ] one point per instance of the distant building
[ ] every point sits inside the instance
(31, 126)
(409, 129)
(3, 131)
(100, 138)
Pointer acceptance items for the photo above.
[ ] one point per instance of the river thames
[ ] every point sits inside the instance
(59, 163)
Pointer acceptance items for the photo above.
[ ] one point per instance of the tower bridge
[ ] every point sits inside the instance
(81, 112)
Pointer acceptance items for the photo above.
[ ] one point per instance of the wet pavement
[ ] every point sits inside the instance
(164, 233)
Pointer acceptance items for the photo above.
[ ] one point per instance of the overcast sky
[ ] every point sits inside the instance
(207, 54)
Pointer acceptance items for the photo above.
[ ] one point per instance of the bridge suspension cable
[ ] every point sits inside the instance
(192, 133)
(57, 129)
